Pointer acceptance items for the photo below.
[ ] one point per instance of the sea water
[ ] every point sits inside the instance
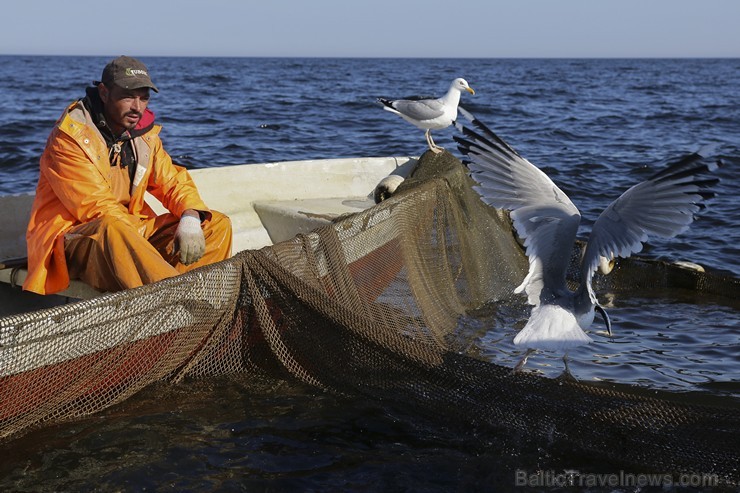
(595, 126)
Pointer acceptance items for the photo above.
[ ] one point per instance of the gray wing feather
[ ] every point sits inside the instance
(425, 109)
(663, 205)
(542, 214)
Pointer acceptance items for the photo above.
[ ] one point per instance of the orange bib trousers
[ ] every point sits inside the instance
(111, 255)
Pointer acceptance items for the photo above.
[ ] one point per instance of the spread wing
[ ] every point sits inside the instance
(543, 215)
(664, 205)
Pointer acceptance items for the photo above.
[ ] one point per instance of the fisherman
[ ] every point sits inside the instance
(89, 219)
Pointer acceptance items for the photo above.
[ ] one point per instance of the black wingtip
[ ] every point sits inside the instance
(482, 135)
(687, 165)
(693, 168)
(385, 102)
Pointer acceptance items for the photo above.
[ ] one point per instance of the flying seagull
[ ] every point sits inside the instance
(547, 221)
(429, 113)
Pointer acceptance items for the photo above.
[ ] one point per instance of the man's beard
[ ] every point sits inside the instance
(131, 126)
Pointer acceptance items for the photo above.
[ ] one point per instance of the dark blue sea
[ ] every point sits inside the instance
(596, 126)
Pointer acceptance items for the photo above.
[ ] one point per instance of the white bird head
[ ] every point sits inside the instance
(606, 265)
(461, 85)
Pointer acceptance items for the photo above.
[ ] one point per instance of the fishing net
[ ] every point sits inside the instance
(368, 306)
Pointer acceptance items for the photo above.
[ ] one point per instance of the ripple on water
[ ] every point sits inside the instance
(665, 343)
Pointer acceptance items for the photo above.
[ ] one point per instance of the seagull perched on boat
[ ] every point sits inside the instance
(547, 221)
(429, 113)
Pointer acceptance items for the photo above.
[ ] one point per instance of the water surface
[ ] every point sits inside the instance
(596, 126)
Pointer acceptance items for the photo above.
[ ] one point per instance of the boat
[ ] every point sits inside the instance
(328, 287)
(50, 343)
(266, 202)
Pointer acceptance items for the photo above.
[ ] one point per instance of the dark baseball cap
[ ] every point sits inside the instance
(128, 73)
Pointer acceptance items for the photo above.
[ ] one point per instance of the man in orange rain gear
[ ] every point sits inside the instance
(89, 219)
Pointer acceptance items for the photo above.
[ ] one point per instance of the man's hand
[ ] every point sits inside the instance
(189, 238)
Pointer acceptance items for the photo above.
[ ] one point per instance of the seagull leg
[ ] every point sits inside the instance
(428, 138)
(567, 375)
(523, 361)
(432, 146)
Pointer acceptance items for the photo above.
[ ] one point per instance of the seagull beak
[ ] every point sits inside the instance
(603, 314)
(470, 90)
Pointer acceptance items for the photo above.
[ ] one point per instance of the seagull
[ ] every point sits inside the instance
(429, 113)
(547, 221)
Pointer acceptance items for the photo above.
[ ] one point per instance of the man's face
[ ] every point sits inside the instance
(123, 107)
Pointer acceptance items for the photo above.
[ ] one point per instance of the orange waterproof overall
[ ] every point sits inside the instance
(90, 222)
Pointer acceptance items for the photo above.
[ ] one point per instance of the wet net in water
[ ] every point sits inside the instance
(367, 306)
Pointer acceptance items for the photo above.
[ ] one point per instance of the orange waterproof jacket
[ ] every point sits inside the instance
(75, 187)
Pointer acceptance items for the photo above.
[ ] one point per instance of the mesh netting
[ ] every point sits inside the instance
(367, 306)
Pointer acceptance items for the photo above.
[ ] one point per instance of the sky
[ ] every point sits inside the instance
(376, 28)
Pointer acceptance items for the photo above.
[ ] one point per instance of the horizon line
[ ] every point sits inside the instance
(402, 57)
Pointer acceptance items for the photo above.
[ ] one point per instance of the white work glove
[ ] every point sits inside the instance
(189, 239)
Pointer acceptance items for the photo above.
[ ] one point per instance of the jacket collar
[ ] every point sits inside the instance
(94, 105)
(121, 152)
